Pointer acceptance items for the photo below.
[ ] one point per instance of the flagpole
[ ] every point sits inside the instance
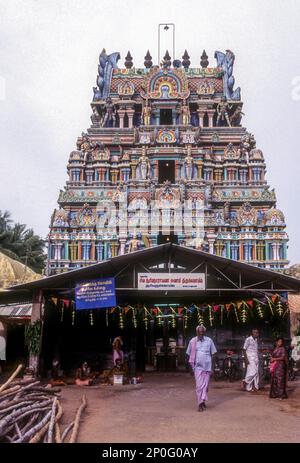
(166, 26)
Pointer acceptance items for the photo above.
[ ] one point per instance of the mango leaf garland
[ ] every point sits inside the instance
(200, 317)
(211, 317)
(134, 321)
(244, 312)
(33, 333)
(279, 307)
(91, 318)
(121, 319)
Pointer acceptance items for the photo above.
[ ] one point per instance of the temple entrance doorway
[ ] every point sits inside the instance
(165, 342)
(166, 171)
(166, 117)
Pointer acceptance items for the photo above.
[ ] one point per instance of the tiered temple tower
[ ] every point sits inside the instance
(166, 135)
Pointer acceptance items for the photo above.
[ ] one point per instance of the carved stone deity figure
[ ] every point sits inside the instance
(97, 153)
(186, 115)
(188, 165)
(110, 114)
(226, 211)
(236, 117)
(144, 165)
(207, 195)
(146, 113)
(222, 111)
(85, 146)
(197, 241)
(134, 244)
(247, 143)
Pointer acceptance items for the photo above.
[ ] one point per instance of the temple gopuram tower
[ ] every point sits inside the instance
(161, 137)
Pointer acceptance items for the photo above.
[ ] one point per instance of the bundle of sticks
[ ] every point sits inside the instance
(31, 412)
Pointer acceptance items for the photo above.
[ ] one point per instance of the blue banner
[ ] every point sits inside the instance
(95, 294)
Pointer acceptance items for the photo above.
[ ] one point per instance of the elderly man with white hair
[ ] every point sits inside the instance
(200, 351)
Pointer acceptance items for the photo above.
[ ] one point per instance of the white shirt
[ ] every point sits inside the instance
(204, 350)
(295, 344)
(251, 347)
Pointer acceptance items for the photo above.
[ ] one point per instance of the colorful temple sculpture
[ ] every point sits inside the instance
(166, 158)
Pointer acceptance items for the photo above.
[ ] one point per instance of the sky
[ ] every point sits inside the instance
(48, 66)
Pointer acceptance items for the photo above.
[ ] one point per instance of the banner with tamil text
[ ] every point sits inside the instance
(95, 294)
(169, 281)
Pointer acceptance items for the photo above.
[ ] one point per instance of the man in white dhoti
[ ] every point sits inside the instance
(200, 351)
(251, 381)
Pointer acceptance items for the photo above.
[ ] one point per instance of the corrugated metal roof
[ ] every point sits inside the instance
(67, 279)
(16, 310)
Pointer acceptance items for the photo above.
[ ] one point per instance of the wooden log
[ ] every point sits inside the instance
(53, 390)
(66, 431)
(35, 428)
(77, 420)
(11, 378)
(21, 413)
(18, 430)
(51, 424)
(30, 386)
(36, 396)
(38, 436)
(12, 390)
(11, 426)
(13, 407)
(30, 422)
(57, 434)
(23, 382)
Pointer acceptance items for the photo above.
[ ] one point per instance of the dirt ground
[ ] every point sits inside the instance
(163, 409)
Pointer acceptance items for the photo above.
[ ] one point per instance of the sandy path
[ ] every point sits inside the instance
(163, 409)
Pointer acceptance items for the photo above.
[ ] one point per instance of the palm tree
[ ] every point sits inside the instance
(20, 243)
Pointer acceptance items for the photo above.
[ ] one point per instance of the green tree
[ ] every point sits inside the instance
(20, 243)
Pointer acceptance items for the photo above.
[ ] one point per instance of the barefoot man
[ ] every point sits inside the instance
(200, 351)
(251, 381)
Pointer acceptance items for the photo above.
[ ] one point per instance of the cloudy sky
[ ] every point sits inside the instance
(48, 66)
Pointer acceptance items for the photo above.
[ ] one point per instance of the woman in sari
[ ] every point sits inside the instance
(278, 370)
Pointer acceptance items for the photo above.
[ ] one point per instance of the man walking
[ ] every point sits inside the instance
(251, 381)
(200, 351)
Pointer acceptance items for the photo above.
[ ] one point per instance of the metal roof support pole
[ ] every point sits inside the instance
(225, 276)
(256, 284)
(196, 268)
(134, 279)
(121, 271)
(36, 314)
(3, 337)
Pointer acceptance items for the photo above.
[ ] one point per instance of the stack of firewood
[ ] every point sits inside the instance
(30, 412)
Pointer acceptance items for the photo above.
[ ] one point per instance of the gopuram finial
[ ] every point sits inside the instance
(128, 61)
(204, 60)
(167, 59)
(186, 60)
(148, 60)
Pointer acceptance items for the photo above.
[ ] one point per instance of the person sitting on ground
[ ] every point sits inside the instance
(118, 353)
(119, 369)
(56, 374)
(83, 375)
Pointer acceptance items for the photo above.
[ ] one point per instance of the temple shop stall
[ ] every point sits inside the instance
(13, 321)
(158, 297)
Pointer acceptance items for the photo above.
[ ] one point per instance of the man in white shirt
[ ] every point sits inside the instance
(200, 351)
(251, 381)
